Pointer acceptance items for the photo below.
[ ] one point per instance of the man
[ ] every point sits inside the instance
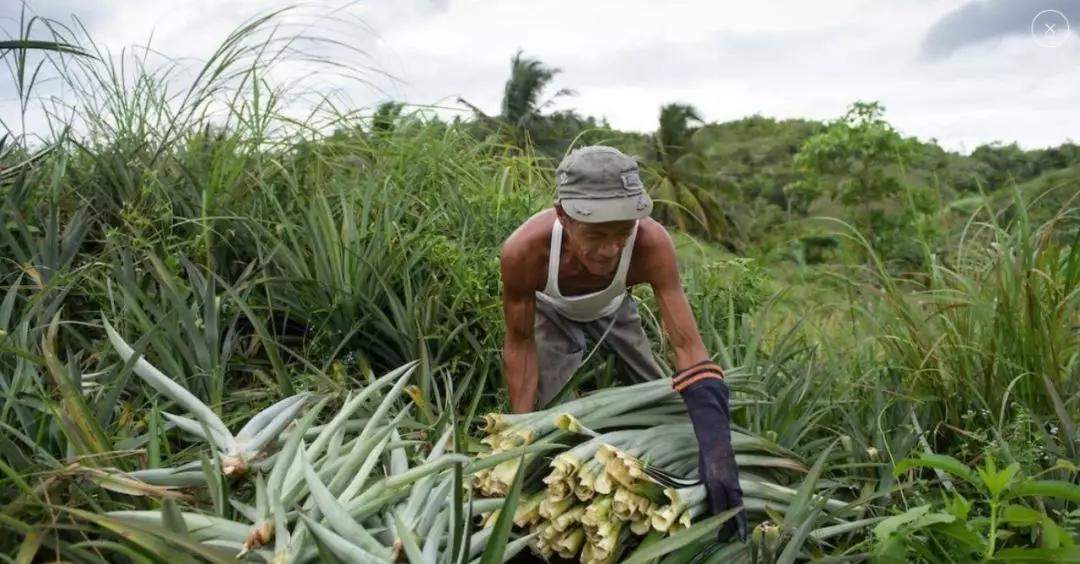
(567, 271)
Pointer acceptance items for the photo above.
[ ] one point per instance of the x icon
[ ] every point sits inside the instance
(1054, 28)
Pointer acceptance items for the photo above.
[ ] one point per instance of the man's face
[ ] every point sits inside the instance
(596, 245)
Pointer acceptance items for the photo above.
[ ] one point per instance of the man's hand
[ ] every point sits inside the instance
(706, 397)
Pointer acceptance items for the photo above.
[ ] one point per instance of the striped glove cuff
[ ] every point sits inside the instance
(703, 370)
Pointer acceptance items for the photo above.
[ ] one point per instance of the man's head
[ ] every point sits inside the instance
(599, 184)
(600, 197)
(596, 245)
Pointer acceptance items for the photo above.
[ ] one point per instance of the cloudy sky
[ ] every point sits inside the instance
(962, 72)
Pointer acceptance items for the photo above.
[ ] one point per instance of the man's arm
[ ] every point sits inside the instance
(675, 314)
(702, 388)
(520, 366)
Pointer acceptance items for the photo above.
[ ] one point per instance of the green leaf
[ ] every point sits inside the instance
(172, 519)
(287, 455)
(961, 533)
(262, 503)
(650, 538)
(793, 546)
(498, 458)
(270, 422)
(1053, 536)
(1038, 555)
(44, 46)
(843, 528)
(1067, 465)
(424, 470)
(265, 339)
(496, 545)
(74, 416)
(516, 546)
(339, 518)
(730, 553)
(29, 547)
(941, 462)
(408, 539)
(1021, 516)
(170, 389)
(341, 548)
(692, 552)
(1059, 489)
(201, 526)
(157, 540)
(804, 502)
(457, 501)
(959, 506)
(997, 481)
(914, 518)
(892, 550)
(686, 536)
(282, 537)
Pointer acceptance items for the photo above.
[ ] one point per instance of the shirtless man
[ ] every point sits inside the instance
(566, 273)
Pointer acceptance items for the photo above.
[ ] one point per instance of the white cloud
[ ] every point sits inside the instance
(987, 20)
(625, 59)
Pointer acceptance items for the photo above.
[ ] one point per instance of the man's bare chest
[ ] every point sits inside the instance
(575, 280)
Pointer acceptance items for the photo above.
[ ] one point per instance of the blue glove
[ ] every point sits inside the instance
(705, 394)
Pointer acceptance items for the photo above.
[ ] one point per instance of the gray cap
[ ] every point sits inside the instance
(600, 183)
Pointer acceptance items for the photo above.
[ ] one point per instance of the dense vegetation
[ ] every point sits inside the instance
(905, 319)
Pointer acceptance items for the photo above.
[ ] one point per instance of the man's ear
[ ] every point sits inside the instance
(561, 213)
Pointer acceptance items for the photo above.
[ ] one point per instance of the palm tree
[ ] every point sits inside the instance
(675, 131)
(521, 95)
(386, 117)
(520, 104)
(686, 201)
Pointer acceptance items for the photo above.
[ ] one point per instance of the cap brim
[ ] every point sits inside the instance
(613, 209)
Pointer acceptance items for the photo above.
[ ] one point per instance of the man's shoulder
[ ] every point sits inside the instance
(654, 253)
(524, 253)
(530, 239)
(652, 237)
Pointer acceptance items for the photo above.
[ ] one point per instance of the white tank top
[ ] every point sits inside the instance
(586, 307)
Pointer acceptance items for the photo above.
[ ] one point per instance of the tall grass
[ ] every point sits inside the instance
(250, 254)
(993, 331)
